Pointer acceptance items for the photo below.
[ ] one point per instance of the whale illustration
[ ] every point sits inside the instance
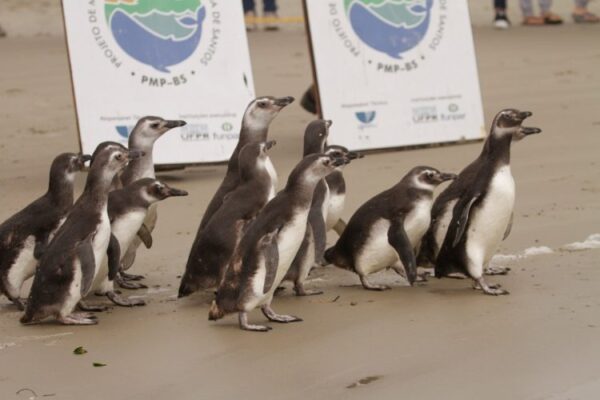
(150, 49)
(383, 36)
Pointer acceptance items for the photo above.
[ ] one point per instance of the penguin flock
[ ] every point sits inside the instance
(252, 238)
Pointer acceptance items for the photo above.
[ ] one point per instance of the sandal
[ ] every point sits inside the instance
(534, 21)
(586, 18)
(552, 19)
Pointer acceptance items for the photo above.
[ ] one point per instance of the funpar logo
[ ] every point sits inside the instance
(390, 26)
(158, 33)
(366, 117)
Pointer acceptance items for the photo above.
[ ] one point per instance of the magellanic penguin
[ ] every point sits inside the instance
(127, 208)
(267, 249)
(312, 250)
(337, 193)
(255, 128)
(143, 136)
(474, 214)
(215, 244)
(386, 230)
(70, 262)
(25, 235)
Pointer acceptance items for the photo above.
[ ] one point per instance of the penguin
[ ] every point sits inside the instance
(25, 235)
(474, 214)
(70, 262)
(268, 248)
(213, 247)
(127, 208)
(337, 193)
(386, 230)
(143, 136)
(255, 127)
(312, 250)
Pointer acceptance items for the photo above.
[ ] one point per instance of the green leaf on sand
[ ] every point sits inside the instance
(97, 364)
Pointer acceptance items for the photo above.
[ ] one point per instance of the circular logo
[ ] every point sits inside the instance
(389, 26)
(157, 33)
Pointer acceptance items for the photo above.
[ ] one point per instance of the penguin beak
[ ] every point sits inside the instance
(328, 123)
(83, 158)
(525, 114)
(270, 144)
(135, 154)
(352, 155)
(172, 192)
(337, 162)
(526, 130)
(284, 101)
(447, 177)
(175, 124)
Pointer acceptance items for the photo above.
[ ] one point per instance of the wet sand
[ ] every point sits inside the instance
(439, 340)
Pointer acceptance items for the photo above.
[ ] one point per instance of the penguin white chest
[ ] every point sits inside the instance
(336, 207)
(24, 265)
(273, 174)
(442, 224)
(126, 227)
(101, 239)
(491, 220)
(417, 221)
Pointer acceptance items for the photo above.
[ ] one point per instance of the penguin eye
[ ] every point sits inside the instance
(154, 125)
(430, 174)
(261, 104)
(119, 157)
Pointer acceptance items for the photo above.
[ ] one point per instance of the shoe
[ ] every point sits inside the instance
(586, 18)
(501, 21)
(552, 19)
(270, 20)
(250, 19)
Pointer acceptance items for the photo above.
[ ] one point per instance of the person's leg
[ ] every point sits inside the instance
(500, 20)
(269, 6)
(270, 13)
(526, 8)
(550, 18)
(581, 13)
(249, 6)
(250, 14)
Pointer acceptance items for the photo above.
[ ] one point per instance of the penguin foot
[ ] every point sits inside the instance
(129, 284)
(123, 302)
(245, 326)
(77, 319)
(94, 308)
(369, 286)
(456, 275)
(20, 303)
(492, 289)
(131, 277)
(301, 291)
(496, 270)
(281, 318)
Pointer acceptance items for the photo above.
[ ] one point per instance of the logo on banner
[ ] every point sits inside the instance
(392, 36)
(160, 43)
(390, 26)
(425, 114)
(366, 117)
(124, 131)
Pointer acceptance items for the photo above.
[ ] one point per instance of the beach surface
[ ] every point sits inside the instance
(439, 340)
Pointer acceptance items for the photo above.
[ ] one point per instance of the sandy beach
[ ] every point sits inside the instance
(439, 340)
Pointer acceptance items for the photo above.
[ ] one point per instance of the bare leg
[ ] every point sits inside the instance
(496, 271)
(369, 286)
(492, 290)
(129, 284)
(301, 291)
(131, 277)
(244, 325)
(94, 308)
(77, 319)
(273, 316)
(123, 302)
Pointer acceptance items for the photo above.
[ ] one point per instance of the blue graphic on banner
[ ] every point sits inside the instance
(366, 117)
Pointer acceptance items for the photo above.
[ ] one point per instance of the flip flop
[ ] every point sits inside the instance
(586, 18)
(534, 21)
(552, 19)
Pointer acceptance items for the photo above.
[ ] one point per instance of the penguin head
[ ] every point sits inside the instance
(148, 129)
(341, 152)
(315, 167)
(65, 165)
(262, 110)
(428, 178)
(315, 136)
(111, 158)
(155, 190)
(508, 122)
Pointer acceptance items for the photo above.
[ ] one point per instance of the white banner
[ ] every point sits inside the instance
(177, 59)
(395, 73)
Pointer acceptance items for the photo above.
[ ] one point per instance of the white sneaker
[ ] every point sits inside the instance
(501, 22)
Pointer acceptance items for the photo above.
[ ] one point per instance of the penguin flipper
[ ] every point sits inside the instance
(145, 236)
(114, 257)
(270, 254)
(509, 227)
(319, 230)
(85, 253)
(462, 209)
(40, 246)
(399, 240)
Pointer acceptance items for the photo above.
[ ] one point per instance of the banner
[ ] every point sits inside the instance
(177, 59)
(394, 73)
